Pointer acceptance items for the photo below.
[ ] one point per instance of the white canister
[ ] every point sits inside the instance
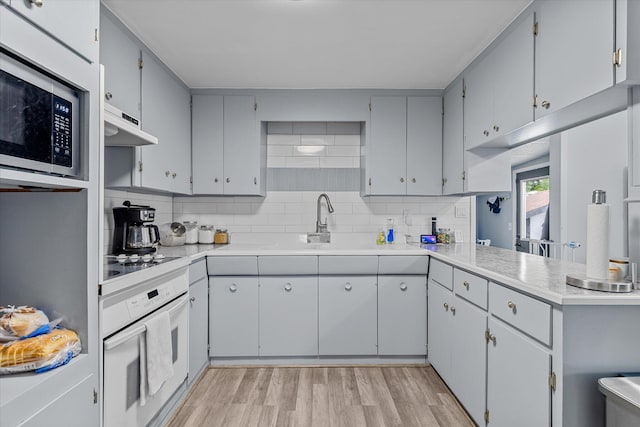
(622, 264)
(192, 232)
(205, 234)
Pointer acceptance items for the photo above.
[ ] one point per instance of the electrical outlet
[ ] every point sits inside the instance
(461, 212)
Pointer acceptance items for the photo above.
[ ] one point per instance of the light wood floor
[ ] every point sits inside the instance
(325, 396)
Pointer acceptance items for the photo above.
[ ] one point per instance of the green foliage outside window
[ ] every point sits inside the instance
(541, 184)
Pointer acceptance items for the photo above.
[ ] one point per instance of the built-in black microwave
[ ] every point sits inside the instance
(39, 120)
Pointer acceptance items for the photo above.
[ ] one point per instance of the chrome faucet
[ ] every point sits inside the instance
(320, 227)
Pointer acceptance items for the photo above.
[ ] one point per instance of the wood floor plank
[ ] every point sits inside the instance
(320, 408)
(304, 398)
(283, 388)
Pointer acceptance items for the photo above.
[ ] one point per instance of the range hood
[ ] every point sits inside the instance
(123, 130)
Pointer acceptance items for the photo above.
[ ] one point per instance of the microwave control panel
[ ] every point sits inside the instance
(61, 132)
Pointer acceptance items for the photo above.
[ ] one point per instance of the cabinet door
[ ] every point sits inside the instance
(478, 103)
(513, 76)
(120, 55)
(439, 330)
(289, 316)
(387, 163)
(453, 141)
(402, 315)
(198, 328)
(424, 146)
(74, 23)
(347, 315)
(627, 39)
(469, 357)
(166, 113)
(517, 367)
(242, 154)
(233, 316)
(207, 144)
(572, 63)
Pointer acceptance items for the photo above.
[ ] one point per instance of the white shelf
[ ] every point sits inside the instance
(15, 180)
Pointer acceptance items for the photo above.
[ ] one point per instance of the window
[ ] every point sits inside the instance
(533, 195)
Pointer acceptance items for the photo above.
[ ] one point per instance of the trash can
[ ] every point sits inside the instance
(622, 396)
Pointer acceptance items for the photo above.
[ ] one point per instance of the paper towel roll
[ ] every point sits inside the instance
(598, 241)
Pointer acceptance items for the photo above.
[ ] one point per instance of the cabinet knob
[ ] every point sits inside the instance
(466, 284)
(512, 306)
(496, 128)
(446, 306)
(489, 337)
(413, 180)
(401, 179)
(288, 287)
(108, 96)
(255, 181)
(403, 286)
(485, 132)
(347, 287)
(173, 175)
(38, 3)
(545, 105)
(233, 288)
(228, 180)
(192, 299)
(453, 310)
(167, 173)
(215, 179)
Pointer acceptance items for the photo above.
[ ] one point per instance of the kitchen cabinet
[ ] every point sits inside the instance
(229, 146)
(198, 319)
(120, 55)
(404, 151)
(498, 89)
(453, 140)
(627, 35)
(233, 316)
(572, 64)
(166, 113)
(289, 316)
(347, 315)
(54, 18)
(515, 365)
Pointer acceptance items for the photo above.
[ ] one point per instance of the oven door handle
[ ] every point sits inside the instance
(113, 342)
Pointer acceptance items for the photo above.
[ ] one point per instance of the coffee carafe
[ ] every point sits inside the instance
(133, 232)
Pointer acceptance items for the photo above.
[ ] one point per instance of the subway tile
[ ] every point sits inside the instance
(269, 208)
(343, 128)
(347, 140)
(343, 151)
(317, 140)
(310, 128)
(302, 162)
(276, 162)
(310, 150)
(282, 140)
(280, 150)
(268, 228)
(282, 128)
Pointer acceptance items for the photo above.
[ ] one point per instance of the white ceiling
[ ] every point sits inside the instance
(386, 44)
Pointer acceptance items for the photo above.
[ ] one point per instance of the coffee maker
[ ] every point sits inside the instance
(133, 232)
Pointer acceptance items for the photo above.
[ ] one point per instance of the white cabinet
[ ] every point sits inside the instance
(404, 153)
(233, 316)
(166, 113)
(499, 91)
(574, 46)
(229, 146)
(120, 55)
(347, 315)
(518, 371)
(289, 316)
(438, 330)
(453, 140)
(198, 319)
(73, 23)
(627, 42)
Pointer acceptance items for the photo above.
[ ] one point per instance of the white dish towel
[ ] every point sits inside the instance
(159, 352)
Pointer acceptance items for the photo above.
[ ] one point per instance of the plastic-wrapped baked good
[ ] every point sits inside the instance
(40, 353)
(21, 321)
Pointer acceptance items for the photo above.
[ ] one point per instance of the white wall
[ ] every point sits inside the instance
(495, 226)
(593, 156)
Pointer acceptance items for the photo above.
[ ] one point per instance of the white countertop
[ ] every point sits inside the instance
(540, 277)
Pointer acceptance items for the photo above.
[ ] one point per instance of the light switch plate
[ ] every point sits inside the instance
(461, 212)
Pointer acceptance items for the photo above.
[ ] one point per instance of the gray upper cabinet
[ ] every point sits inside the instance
(166, 113)
(229, 146)
(574, 46)
(72, 23)
(627, 57)
(405, 134)
(453, 141)
(499, 92)
(120, 55)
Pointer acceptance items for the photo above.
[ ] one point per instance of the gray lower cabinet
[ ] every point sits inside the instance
(198, 327)
(233, 316)
(289, 316)
(347, 315)
(402, 315)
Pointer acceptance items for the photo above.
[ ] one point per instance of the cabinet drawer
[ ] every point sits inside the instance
(525, 313)
(197, 270)
(287, 265)
(348, 265)
(232, 265)
(403, 265)
(441, 273)
(470, 287)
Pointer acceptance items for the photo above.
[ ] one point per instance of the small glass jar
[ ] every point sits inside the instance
(444, 235)
(192, 232)
(221, 237)
(205, 234)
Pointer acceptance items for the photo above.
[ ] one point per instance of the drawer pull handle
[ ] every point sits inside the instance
(348, 287)
(466, 284)
(233, 288)
(453, 310)
(489, 337)
(403, 286)
(288, 287)
(446, 306)
(512, 306)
